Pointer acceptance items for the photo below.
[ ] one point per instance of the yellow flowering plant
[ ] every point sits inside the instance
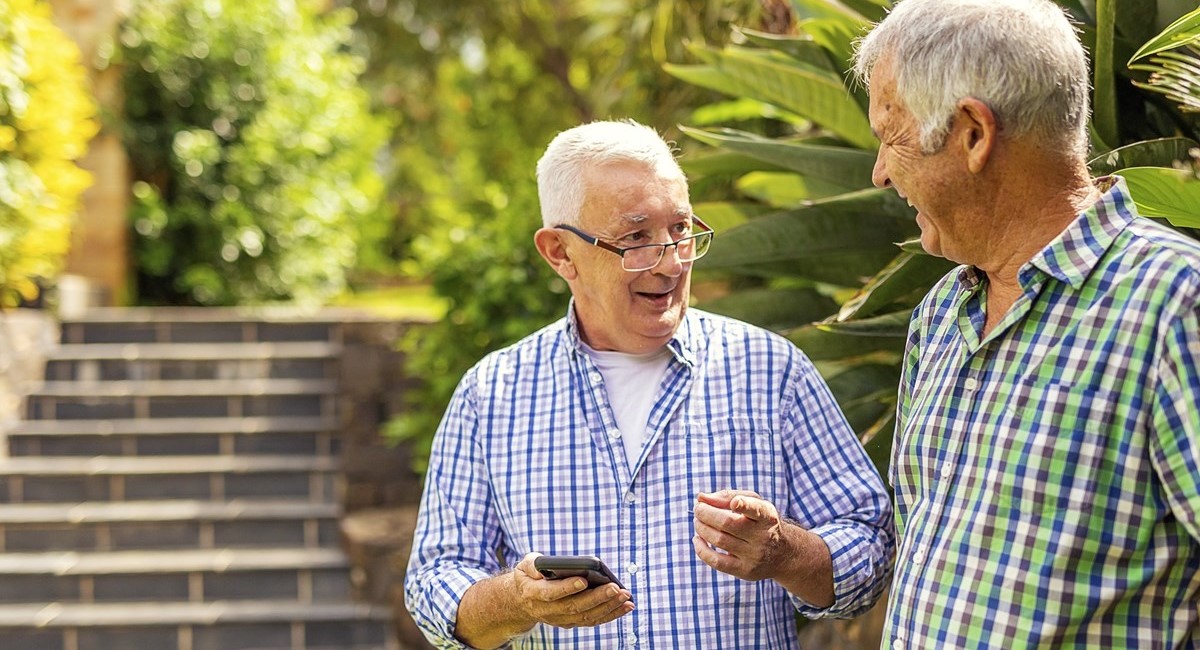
(46, 121)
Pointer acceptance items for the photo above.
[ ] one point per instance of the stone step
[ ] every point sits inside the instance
(207, 325)
(175, 436)
(306, 443)
(194, 351)
(100, 407)
(117, 478)
(304, 575)
(174, 524)
(219, 625)
(317, 366)
(196, 388)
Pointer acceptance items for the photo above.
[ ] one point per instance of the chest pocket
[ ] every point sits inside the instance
(1053, 447)
(732, 453)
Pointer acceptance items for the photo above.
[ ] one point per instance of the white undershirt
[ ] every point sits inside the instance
(632, 382)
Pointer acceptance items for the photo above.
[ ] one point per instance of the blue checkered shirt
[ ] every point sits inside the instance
(528, 458)
(1048, 475)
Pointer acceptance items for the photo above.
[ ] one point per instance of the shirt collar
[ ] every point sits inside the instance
(683, 345)
(1072, 255)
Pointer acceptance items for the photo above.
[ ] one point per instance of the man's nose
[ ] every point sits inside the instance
(879, 173)
(669, 263)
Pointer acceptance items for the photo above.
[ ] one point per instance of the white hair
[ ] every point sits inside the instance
(570, 154)
(1022, 58)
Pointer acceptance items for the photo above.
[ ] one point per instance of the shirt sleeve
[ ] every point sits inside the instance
(837, 494)
(1175, 434)
(457, 532)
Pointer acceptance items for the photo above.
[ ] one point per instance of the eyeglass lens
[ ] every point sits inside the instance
(646, 257)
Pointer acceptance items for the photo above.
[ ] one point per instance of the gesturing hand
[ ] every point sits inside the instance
(568, 602)
(739, 533)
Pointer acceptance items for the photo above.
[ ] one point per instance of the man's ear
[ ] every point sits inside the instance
(978, 134)
(550, 246)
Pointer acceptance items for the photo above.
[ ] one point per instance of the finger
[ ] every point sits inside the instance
(752, 508)
(586, 608)
(526, 566)
(721, 539)
(609, 611)
(550, 591)
(721, 498)
(722, 563)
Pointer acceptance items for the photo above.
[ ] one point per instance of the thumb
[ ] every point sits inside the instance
(750, 508)
(526, 566)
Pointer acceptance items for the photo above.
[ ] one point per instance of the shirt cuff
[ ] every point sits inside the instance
(436, 607)
(854, 572)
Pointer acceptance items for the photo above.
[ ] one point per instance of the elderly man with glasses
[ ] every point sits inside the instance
(702, 459)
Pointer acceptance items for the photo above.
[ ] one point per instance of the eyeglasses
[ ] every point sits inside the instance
(644, 258)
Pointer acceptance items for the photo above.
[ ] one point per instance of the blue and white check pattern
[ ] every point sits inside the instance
(528, 458)
(1048, 475)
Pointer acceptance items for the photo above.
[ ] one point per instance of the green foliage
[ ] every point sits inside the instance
(803, 216)
(254, 151)
(479, 89)
(46, 114)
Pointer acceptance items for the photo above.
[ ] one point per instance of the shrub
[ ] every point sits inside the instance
(253, 148)
(46, 113)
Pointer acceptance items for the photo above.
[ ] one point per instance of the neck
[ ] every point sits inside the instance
(1034, 202)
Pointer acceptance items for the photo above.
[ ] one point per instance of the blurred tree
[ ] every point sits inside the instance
(478, 89)
(253, 148)
(46, 121)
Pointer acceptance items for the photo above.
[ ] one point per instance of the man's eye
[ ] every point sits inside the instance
(634, 237)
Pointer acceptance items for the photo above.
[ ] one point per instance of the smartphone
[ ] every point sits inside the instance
(557, 567)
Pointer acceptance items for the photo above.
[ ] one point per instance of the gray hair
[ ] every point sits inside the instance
(571, 153)
(1022, 58)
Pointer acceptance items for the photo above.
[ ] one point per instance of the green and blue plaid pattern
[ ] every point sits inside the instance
(1047, 475)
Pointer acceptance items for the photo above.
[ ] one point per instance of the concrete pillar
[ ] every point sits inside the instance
(99, 243)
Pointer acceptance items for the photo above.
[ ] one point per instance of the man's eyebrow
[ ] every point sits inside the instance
(635, 218)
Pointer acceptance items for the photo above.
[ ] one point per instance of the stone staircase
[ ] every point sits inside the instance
(175, 485)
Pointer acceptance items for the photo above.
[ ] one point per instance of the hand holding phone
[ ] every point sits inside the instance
(590, 567)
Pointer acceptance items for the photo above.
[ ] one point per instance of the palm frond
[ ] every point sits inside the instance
(1175, 75)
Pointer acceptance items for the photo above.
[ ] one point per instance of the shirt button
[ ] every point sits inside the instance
(595, 377)
(630, 497)
(632, 568)
(614, 434)
(918, 556)
(630, 639)
(971, 384)
(898, 644)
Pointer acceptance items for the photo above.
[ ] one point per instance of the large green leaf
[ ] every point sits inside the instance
(725, 163)
(814, 93)
(1161, 152)
(802, 48)
(1170, 194)
(894, 324)
(1104, 94)
(863, 380)
(1182, 32)
(822, 345)
(775, 309)
(840, 165)
(866, 221)
(904, 280)
(723, 215)
(788, 189)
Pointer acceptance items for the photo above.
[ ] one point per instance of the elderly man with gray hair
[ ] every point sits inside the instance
(1046, 463)
(703, 460)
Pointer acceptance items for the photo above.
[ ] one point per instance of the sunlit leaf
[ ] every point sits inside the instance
(1182, 32)
(894, 324)
(840, 165)
(1165, 193)
(1148, 153)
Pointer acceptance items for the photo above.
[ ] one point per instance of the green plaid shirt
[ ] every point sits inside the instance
(1048, 476)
